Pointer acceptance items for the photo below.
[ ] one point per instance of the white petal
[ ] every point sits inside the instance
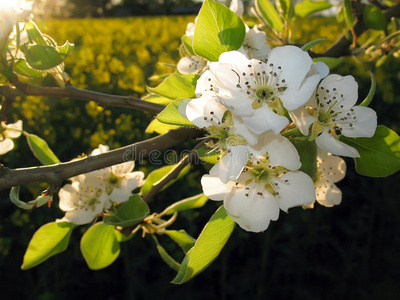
(302, 118)
(329, 195)
(281, 151)
(241, 129)
(206, 82)
(237, 7)
(255, 43)
(338, 86)
(14, 130)
(253, 212)
(295, 64)
(233, 163)
(298, 190)
(333, 168)
(294, 98)
(198, 111)
(123, 168)
(214, 188)
(327, 142)
(364, 125)
(69, 196)
(100, 149)
(6, 145)
(265, 119)
(190, 65)
(80, 217)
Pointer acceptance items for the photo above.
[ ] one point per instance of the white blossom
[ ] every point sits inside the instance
(7, 133)
(89, 194)
(260, 91)
(270, 182)
(331, 169)
(331, 112)
(254, 45)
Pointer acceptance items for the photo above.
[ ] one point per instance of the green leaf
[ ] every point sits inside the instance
(331, 62)
(371, 92)
(154, 98)
(156, 126)
(380, 155)
(122, 237)
(374, 18)
(207, 247)
(266, 10)
(128, 213)
(185, 241)
(177, 86)
(217, 30)
(307, 7)
(34, 34)
(171, 115)
(22, 68)
(43, 57)
(308, 156)
(348, 14)
(311, 44)
(185, 204)
(99, 246)
(159, 174)
(41, 150)
(207, 156)
(50, 239)
(39, 201)
(285, 8)
(165, 256)
(187, 43)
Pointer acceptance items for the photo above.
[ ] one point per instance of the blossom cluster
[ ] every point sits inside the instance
(89, 194)
(250, 105)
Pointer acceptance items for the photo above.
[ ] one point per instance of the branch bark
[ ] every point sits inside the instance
(342, 46)
(70, 91)
(55, 174)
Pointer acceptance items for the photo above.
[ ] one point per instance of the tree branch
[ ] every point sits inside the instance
(342, 46)
(55, 174)
(70, 91)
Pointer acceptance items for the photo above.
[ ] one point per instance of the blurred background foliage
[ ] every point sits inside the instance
(348, 251)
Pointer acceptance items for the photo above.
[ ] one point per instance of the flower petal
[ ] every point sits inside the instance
(327, 142)
(302, 118)
(190, 65)
(214, 188)
(233, 163)
(265, 119)
(6, 145)
(328, 195)
(253, 212)
(14, 130)
(364, 125)
(295, 188)
(345, 89)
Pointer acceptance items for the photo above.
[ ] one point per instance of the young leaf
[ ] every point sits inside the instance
(159, 174)
(371, 92)
(129, 213)
(177, 86)
(207, 156)
(307, 7)
(217, 30)
(379, 155)
(348, 14)
(268, 13)
(285, 8)
(154, 98)
(187, 42)
(41, 150)
(374, 18)
(50, 239)
(185, 204)
(207, 247)
(165, 256)
(34, 34)
(171, 115)
(43, 57)
(182, 239)
(156, 126)
(331, 62)
(308, 156)
(39, 201)
(99, 246)
(311, 44)
(21, 68)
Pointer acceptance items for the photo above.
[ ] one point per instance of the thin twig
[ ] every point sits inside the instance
(56, 174)
(70, 91)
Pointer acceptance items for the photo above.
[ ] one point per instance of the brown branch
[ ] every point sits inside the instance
(55, 174)
(187, 159)
(342, 46)
(70, 91)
